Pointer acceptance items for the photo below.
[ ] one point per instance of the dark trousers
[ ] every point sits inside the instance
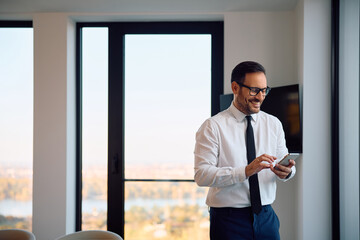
(241, 223)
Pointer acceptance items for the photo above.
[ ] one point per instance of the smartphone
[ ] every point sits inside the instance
(285, 160)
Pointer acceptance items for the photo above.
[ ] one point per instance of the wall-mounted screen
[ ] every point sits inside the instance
(284, 103)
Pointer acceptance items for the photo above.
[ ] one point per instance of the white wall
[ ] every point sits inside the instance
(294, 47)
(299, 15)
(268, 38)
(315, 175)
(54, 124)
(349, 119)
(265, 37)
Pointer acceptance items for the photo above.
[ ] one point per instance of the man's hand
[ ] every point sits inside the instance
(258, 164)
(283, 171)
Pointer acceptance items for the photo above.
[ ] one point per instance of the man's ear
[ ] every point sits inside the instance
(235, 87)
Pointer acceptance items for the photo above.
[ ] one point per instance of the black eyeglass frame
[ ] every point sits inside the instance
(255, 91)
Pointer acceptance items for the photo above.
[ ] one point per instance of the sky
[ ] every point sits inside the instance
(16, 96)
(167, 96)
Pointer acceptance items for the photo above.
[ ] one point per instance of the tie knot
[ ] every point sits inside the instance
(248, 118)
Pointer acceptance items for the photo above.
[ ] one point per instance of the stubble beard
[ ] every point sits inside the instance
(246, 108)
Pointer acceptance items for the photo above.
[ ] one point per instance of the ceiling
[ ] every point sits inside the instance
(143, 6)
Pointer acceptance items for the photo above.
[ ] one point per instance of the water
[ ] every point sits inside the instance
(21, 209)
(15, 208)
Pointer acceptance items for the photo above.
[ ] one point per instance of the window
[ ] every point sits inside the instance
(167, 96)
(94, 127)
(16, 124)
(164, 80)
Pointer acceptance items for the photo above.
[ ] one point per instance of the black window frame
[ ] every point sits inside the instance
(16, 24)
(116, 167)
(335, 132)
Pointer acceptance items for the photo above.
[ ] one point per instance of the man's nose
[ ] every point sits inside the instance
(260, 96)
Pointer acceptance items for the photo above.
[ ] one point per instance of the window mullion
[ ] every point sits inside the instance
(116, 215)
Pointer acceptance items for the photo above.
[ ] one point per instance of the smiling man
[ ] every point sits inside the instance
(235, 155)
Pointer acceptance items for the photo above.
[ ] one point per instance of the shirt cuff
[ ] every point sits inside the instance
(240, 175)
(290, 176)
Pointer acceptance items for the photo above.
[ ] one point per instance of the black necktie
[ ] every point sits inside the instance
(253, 180)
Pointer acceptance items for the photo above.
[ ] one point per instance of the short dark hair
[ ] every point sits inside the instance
(239, 72)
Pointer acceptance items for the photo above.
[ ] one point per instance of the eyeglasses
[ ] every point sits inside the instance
(255, 91)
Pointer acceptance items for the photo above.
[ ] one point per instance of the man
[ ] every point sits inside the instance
(225, 161)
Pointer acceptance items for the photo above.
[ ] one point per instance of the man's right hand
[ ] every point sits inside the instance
(262, 162)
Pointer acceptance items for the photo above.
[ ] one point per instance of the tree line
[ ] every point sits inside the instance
(20, 189)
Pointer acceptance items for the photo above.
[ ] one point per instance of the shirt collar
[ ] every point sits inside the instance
(240, 116)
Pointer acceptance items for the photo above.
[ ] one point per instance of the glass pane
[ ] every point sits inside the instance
(165, 210)
(167, 97)
(94, 127)
(16, 127)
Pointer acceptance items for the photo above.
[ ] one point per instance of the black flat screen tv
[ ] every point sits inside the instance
(284, 103)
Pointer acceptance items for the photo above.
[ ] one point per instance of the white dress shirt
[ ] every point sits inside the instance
(220, 157)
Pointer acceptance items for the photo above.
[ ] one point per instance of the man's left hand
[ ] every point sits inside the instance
(283, 171)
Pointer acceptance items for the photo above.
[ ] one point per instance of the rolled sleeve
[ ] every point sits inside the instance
(206, 160)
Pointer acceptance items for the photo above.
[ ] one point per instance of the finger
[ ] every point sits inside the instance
(261, 163)
(268, 159)
(273, 158)
(283, 168)
(257, 162)
(291, 163)
(265, 165)
(279, 173)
